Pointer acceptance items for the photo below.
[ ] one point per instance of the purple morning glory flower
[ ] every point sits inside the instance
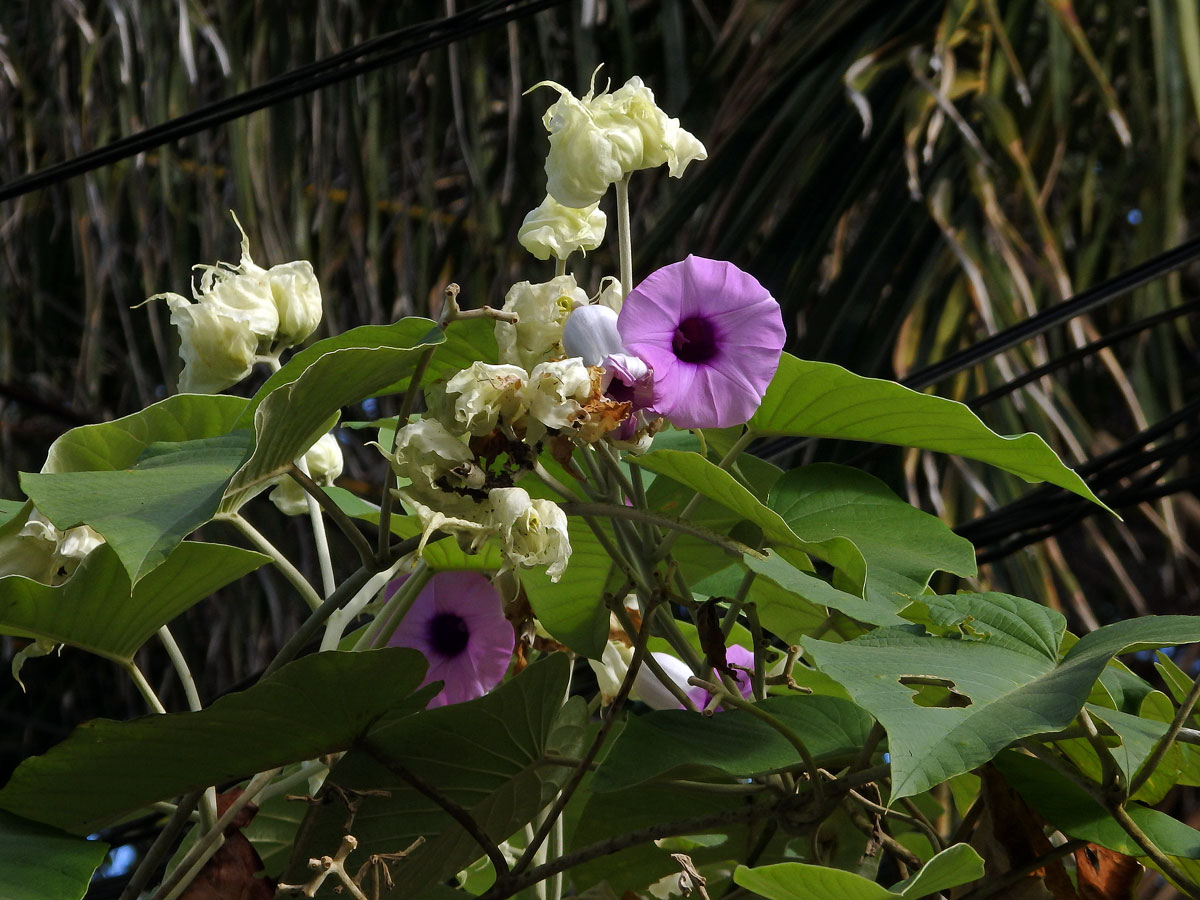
(458, 623)
(713, 337)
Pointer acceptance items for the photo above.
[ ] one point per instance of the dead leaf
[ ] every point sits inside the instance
(1104, 874)
(230, 874)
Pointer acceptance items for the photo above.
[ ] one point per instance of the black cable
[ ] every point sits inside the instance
(1083, 352)
(382, 51)
(1105, 292)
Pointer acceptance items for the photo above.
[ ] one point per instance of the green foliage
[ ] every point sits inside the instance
(145, 510)
(814, 399)
(487, 755)
(101, 611)
(313, 706)
(41, 863)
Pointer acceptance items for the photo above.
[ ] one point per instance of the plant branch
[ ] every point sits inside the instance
(568, 790)
(1164, 862)
(518, 880)
(161, 848)
(1002, 883)
(450, 806)
(1164, 743)
(281, 562)
(344, 523)
(730, 546)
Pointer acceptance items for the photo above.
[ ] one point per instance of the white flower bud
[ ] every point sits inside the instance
(554, 395)
(652, 692)
(591, 334)
(297, 296)
(611, 668)
(532, 532)
(556, 230)
(324, 462)
(486, 394)
(542, 310)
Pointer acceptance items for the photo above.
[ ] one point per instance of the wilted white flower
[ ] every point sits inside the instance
(324, 463)
(532, 532)
(44, 553)
(596, 140)
(610, 293)
(217, 351)
(556, 230)
(470, 532)
(238, 312)
(542, 311)
(486, 394)
(554, 395)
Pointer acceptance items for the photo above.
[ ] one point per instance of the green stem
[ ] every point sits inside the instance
(736, 700)
(320, 538)
(759, 681)
(560, 267)
(726, 461)
(143, 686)
(398, 606)
(568, 790)
(1110, 775)
(181, 669)
(162, 846)
(1164, 862)
(624, 239)
(1164, 743)
(208, 803)
(337, 624)
(730, 546)
(281, 562)
(208, 843)
(344, 523)
(449, 313)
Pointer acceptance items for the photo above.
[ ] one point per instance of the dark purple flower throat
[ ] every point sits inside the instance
(695, 340)
(448, 634)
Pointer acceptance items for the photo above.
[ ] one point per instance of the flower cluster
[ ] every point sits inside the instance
(323, 462)
(241, 314)
(598, 139)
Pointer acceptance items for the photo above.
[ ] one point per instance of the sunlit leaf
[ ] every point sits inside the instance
(816, 399)
(99, 611)
(144, 511)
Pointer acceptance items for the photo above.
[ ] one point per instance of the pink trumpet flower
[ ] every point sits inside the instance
(711, 334)
(458, 623)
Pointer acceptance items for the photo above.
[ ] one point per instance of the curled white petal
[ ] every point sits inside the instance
(552, 229)
(542, 311)
(486, 394)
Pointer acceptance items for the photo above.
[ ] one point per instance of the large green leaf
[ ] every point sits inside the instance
(900, 545)
(694, 471)
(817, 399)
(302, 400)
(318, 704)
(813, 590)
(144, 511)
(1073, 811)
(1002, 670)
(732, 743)
(573, 609)
(42, 863)
(955, 865)
(110, 446)
(485, 754)
(98, 610)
